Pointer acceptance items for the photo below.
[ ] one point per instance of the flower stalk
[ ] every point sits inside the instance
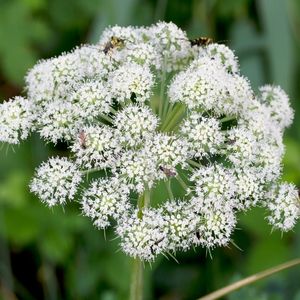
(137, 280)
(251, 279)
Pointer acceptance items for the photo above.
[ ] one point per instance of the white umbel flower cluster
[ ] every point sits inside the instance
(56, 181)
(203, 134)
(135, 124)
(16, 120)
(284, 206)
(148, 109)
(104, 199)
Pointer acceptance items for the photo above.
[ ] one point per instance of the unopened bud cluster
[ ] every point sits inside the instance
(145, 106)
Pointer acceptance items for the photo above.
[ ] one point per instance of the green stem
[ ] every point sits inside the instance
(162, 90)
(112, 110)
(107, 118)
(181, 182)
(194, 163)
(136, 287)
(173, 119)
(90, 171)
(170, 108)
(241, 283)
(169, 116)
(228, 118)
(169, 189)
(143, 202)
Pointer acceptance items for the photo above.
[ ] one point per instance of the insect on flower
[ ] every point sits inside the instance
(201, 41)
(113, 43)
(82, 139)
(168, 172)
(156, 243)
(198, 235)
(231, 141)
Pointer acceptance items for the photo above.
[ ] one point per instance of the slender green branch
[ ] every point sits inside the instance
(170, 115)
(170, 108)
(228, 118)
(162, 101)
(181, 182)
(112, 110)
(147, 197)
(194, 163)
(175, 116)
(90, 171)
(239, 284)
(144, 201)
(169, 189)
(165, 109)
(106, 118)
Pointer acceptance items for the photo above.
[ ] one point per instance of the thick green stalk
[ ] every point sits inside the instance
(137, 279)
(137, 286)
(239, 284)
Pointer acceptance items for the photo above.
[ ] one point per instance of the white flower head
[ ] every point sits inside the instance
(59, 121)
(92, 98)
(173, 47)
(130, 34)
(55, 78)
(256, 117)
(16, 120)
(249, 187)
(283, 204)
(138, 169)
(203, 134)
(143, 234)
(96, 147)
(269, 158)
(105, 199)
(40, 83)
(134, 124)
(180, 224)
(239, 96)
(94, 62)
(223, 55)
(215, 182)
(142, 54)
(56, 181)
(169, 150)
(67, 74)
(129, 81)
(277, 100)
(241, 146)
(215, 228)
(201, 86)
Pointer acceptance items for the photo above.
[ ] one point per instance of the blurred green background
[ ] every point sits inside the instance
(57, 254)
